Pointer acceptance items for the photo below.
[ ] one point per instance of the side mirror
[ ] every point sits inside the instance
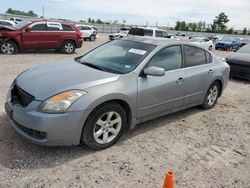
(27, 29)
(154, 71)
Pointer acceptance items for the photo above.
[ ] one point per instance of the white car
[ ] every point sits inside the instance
(151, 32)
(16, 20)
(122, 33)
(203, 42)
(89, 32)
(7, 23)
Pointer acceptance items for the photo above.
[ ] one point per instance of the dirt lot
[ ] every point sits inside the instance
(204, 148)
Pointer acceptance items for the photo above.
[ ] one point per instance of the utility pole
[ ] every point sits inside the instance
(43, 10)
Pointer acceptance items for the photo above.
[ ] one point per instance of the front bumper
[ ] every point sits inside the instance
(46, 129)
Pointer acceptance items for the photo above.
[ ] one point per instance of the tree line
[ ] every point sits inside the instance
(218, 26)
(99, 21)
(21, 13)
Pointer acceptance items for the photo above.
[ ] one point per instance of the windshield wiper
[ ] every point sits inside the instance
(92, 65)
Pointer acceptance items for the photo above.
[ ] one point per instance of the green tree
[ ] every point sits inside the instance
(194, 26)
(178, 25)
(183, 26)
(199, 25)
(89, 20)
(220, 22)
(99, 21)
(244, 32)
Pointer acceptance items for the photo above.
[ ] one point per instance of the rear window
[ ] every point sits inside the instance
(67, 27)
(194, 56)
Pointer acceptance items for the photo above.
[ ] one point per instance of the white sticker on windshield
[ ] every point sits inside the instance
(127, 66)
(137, 51)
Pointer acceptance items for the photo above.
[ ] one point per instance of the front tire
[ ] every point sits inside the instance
(9, 48)
(210, 48)
(212, 96)
(92, 38)
(104, 126)
(68, 47)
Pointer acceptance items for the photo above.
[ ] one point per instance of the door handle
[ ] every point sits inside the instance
(210, 71)
(179, 81)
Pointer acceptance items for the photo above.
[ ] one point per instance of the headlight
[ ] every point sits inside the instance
(60, 102)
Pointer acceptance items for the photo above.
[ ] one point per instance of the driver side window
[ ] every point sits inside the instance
(169, 58)
(39, 27)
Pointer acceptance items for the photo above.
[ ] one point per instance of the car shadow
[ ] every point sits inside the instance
(239, 80)
(16, 152)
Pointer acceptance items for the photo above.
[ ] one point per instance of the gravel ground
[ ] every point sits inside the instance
(204, 148)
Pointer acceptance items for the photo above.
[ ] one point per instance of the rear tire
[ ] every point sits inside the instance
(210, 48)
(9, 47)
(68, 47)
(104, 126)
(212, 96)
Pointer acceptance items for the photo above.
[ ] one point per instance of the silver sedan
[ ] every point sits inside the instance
(95, 97)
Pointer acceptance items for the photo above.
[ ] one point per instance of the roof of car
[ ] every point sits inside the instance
(153, 40)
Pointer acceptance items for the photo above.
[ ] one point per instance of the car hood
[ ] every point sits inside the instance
(224, 42)
(5, 27)
(46, 80)
(195, 42)
(240, 58)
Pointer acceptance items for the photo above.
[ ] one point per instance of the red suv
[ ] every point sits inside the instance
(40, 34)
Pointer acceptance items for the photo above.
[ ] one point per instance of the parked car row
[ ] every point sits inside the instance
(141, 31)
(203, 42)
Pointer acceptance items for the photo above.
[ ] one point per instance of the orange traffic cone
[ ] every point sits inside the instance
(169, 180)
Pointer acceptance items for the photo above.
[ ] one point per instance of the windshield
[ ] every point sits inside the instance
(245, 49)
(195, 39)
(120, 56)
(21, 24)
(227, 40)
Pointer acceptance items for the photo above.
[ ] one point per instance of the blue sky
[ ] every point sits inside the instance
(164, 12)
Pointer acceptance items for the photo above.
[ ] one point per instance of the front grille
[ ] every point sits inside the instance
(19, 96)
(221, 44)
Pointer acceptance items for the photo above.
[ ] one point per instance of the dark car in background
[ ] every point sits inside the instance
(228, 44)
(40, 34)
(239, 63)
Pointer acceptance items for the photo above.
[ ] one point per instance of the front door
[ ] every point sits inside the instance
(162, 94)
(34, 37)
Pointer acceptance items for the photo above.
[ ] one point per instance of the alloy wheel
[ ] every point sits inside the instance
(7, 48)
(107, 127)
(213, 95)
(69, 47)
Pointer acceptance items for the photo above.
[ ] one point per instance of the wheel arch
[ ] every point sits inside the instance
(69, 39)
(5, 39)
(219, 81)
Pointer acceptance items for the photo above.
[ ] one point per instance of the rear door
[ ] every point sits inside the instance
(199, 73)
(162, 94)
(34, 37)
(53, 34)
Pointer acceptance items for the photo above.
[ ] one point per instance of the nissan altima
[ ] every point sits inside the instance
(94, 98)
